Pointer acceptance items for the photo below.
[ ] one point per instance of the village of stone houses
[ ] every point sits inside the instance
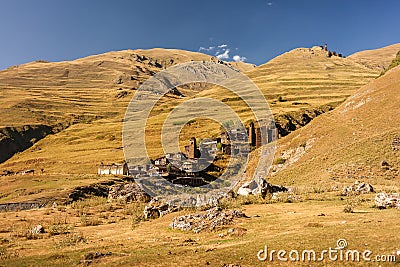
(183, 168)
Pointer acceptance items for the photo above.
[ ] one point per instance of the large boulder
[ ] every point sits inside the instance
(248, 188)
(38, 229)
(384, 200)
(358, 188)
(261, 187)
(127, 192)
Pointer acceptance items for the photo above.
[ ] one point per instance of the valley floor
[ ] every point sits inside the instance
(98, 233)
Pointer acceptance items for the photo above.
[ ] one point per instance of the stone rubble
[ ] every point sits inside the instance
(208, 220)
(385, 200)
(127, 192)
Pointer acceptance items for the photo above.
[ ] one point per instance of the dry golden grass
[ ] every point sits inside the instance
(350, 142)
(151, 243)
(374, 58)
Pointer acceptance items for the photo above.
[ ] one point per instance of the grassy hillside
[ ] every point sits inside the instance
(376, 58)
(348, 143)
(90, 96)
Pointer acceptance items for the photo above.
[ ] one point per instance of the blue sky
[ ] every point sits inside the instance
(252, 30)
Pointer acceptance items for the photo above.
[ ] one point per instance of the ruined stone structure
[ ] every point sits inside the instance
(256, 135)
(113, 169)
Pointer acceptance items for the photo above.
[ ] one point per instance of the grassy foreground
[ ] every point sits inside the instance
(74, 233)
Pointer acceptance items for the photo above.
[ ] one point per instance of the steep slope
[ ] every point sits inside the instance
(348, 143)
(376, 58)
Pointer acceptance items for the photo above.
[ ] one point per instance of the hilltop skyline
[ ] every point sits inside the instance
(254, 32)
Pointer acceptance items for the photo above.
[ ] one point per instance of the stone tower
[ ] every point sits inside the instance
(252, 135)
(192, 148)
(261, 136)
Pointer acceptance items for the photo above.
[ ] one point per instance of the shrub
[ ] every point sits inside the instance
(89, 221)
(72, 239)
(58, 229)
(280, 161)
(395, 62)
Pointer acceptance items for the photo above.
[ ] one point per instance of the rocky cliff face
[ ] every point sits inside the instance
(291, 121)
(17, 139)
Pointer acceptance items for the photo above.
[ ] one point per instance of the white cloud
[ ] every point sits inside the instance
(238, 58)
(222, 46)
(224, 55)
(269, 3)
(210, 48)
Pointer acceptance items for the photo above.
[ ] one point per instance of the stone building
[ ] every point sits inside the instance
(113, 169)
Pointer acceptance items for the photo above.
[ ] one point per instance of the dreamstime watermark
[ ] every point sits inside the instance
(338, 253)
(138, 116)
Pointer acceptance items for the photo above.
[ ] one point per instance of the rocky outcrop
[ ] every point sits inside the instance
(291, 121)
(208, 220)
(82, 192)
(385, 200)
(17, 139)
(357, 188)
(127, 193)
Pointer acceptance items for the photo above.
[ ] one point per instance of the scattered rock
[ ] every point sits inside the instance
(121, 94)
(358, 188)
(384, 200)
(119, 80)
(208, 220)
(237, 231)
(38, 229)
(384, 163)
(127, 192)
